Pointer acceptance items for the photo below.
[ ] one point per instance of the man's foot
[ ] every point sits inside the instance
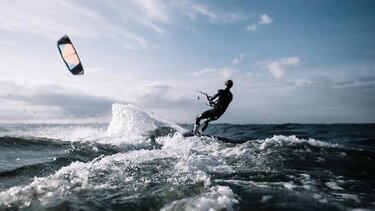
(196, 130)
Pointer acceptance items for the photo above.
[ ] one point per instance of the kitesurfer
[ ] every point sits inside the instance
(224, 97)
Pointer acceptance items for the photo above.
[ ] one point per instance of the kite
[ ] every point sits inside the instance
(69, 55)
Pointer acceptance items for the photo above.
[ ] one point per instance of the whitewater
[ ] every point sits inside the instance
(142, 162)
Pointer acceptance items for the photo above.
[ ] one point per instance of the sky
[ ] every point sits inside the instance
(291, 61)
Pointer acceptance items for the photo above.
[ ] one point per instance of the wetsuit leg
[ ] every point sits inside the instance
(205, 124)
(195, 128)
(214, 115)
(204, 115)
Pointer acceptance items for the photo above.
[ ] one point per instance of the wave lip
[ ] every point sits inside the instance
(130, 124)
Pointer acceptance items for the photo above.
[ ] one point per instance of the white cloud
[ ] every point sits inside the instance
(194, 11)
(227, 73)
(204, 71)
(204, 11)
(217, 76)
(11, 110)
(220, 73)
(304, 83)
(20, 100)
(151, 90)
(150, 13)
(238, 59)
(153, 10)
(6, 43)
(265, 19)
(154, 27)
(52, 19)
(278, 68)
(360, 82)
(252, 27)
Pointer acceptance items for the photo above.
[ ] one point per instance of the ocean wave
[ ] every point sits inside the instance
(218, 198)
(131, 171)
(144, 162)
(131, 124)
(280, 141)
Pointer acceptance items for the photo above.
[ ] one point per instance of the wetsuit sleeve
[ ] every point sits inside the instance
(217, 95)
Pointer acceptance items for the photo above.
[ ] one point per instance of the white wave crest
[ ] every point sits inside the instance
(129, 123)
(192, 160)
(218, 198)
(279, 140)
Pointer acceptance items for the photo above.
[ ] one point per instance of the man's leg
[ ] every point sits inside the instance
(205, 124)
(204, 115)
(196, 126)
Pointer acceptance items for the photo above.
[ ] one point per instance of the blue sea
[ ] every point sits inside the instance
(139, 161)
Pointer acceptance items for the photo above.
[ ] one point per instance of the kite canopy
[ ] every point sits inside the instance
(70, 56)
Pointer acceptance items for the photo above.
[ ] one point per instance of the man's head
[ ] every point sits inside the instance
(229, 84)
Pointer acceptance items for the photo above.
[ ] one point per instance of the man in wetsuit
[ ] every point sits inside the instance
(219, 107)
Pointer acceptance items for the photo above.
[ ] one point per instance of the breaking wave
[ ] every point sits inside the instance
(140, 161)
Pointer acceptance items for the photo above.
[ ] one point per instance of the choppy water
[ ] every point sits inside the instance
(141, 162)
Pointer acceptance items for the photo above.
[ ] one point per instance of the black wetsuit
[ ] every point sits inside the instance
(220, 106)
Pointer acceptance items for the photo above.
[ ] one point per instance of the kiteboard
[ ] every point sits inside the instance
(223, 139)
(188, 134)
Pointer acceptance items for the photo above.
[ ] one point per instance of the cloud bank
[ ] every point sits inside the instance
(156, 54)
(279, 68)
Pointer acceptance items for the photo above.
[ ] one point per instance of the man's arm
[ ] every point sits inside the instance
(211, 99)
